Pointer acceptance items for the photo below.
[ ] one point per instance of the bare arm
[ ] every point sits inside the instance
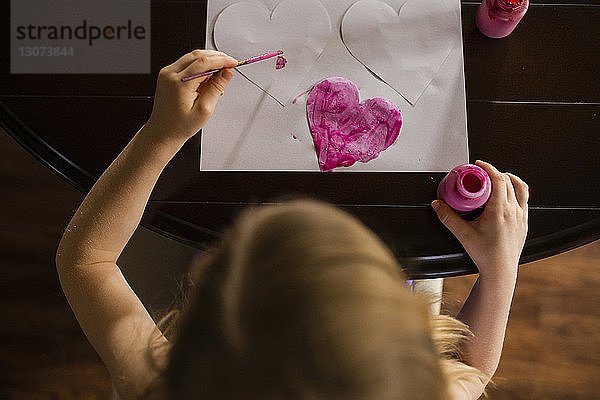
(486, 313)
(494, 241)
(111, 315)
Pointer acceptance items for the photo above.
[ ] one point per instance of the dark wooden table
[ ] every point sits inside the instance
(533, 102)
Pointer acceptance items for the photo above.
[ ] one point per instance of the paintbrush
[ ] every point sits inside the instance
(243, 62)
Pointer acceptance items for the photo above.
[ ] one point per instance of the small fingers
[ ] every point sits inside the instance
(210, 90)
(499, 189)
(207, 63)
(450, 219)
(521, 189)
(187, 59)
(510, 190)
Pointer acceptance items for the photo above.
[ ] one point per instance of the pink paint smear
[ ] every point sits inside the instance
(300, 95)
(345, 131)
(280, 63)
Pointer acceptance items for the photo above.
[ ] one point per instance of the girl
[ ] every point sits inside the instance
(299, 301)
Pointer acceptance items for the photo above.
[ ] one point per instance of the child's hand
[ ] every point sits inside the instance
(496, 238)
(182, 108)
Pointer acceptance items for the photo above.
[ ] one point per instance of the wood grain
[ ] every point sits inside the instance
(552, 345)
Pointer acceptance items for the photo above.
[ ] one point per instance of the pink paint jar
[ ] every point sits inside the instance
(465, 188)
(498, 18)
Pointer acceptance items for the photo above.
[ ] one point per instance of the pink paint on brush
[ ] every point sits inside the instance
(259, 58)
(346, 131)
(239, 64)
(281, 61)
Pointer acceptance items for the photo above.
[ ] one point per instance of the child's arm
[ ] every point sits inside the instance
(494, 241)
(112, 317)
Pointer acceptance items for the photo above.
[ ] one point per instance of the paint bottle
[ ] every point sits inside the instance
(466, 189)
(498, 18)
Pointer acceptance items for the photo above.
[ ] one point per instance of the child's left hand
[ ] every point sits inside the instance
(181, 109)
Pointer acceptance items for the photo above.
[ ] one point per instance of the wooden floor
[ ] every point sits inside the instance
(552, 348)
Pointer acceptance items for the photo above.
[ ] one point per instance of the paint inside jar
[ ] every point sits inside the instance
(465, 189)
(472, 183)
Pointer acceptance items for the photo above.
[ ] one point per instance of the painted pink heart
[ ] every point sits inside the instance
(345, 131)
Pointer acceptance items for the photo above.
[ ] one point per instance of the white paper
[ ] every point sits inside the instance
(301, 29)
(251, 131)
(406, 48)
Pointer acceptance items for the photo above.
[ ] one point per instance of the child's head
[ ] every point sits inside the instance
(302, 301)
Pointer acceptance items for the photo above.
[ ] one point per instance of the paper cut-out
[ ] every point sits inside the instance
(345, 131)
(406, 48)
(300, 28)
(251, 131)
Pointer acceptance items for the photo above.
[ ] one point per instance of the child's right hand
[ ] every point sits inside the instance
(181, 109)
(494, 240)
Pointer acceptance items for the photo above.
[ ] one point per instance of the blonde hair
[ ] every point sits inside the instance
(302, 301)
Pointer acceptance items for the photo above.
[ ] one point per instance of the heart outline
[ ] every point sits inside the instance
(301, 51)
(410, 76)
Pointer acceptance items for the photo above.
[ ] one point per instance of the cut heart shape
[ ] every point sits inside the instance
(407, 48)
(345, 131)
(300, 28)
